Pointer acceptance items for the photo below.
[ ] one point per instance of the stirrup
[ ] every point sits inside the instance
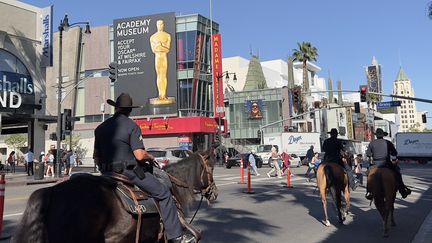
(369, 196)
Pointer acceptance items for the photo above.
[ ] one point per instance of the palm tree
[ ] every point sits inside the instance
(305, 53)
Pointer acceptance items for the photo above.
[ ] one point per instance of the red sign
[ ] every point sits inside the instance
(197, 66)
(217, 71)
(178, 125)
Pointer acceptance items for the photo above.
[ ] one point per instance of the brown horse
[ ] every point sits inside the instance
(331, 176)
(383, 186)
(87, 209)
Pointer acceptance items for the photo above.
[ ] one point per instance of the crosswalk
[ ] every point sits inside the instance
(229, 179)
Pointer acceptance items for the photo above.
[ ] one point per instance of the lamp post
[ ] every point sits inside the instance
(64, 26)
(219, 109)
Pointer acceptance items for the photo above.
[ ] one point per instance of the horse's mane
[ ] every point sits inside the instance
(187, 170)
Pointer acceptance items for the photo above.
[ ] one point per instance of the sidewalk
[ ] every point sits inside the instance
(20, 177)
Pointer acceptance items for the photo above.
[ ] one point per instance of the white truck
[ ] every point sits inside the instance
(296, 143)
(414, 146)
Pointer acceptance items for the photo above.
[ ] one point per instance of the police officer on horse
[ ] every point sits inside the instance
(119, 148)
(333, 147)
(380, 151)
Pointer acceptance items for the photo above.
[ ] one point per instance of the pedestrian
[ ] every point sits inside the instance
(315, 162)
(119, 148)
(66, 162)
(275, 160)
(252, 162)
(72, 161)
(381, 151)
(50, 163)
(28, 157)
(358, 161)
(309, 155)
(12, 161)
(286, 158)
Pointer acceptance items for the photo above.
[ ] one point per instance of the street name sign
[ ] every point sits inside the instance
(388, 104)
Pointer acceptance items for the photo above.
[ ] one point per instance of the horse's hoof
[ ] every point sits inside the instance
(326, 223)
(386, 235)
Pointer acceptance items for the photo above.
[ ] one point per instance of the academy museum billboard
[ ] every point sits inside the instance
(145, 51)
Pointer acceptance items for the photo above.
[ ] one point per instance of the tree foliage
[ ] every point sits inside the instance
(79, 149)
(15, 141)
(305, 53)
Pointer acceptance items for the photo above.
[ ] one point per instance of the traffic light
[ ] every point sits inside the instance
(357, 107)
(296, 96)
(424, 120)
(113, 71)
(68, 124)
(363, 93)
(312, 115)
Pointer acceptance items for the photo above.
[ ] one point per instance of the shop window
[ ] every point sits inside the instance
(10, 63)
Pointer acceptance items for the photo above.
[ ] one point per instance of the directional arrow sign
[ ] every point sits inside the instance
(388, 104)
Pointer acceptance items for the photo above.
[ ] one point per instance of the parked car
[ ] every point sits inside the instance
(235, 161)
(165, 156)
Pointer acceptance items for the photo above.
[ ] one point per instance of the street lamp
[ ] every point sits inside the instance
(220, 109)
(64, 26)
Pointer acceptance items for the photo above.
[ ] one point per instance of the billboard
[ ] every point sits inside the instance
(145, 51)
(254, 109)
(374, 82)
(217, 72)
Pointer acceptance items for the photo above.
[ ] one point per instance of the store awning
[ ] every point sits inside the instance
(178, 125)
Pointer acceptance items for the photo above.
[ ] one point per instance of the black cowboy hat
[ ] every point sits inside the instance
(333, 131)
(123, 101)
(380, 133)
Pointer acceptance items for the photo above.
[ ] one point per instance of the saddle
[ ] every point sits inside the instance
(132, 197)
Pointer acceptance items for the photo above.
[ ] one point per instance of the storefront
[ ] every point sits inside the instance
(23, 60)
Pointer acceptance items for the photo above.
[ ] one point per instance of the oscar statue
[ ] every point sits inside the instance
(160, 44)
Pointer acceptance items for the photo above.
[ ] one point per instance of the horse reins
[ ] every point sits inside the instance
(204, 191)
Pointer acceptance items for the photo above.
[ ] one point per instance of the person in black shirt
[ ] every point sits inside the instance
(119, 148)
(380, 151)
(333, 147)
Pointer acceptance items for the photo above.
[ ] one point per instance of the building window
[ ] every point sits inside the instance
(186, 42)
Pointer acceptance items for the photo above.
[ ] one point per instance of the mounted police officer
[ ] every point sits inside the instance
(119, 148)
(380, 150)
(333, 147)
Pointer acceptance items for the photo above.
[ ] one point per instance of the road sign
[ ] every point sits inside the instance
(383, 105)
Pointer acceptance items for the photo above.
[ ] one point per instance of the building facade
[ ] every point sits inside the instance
(409, 117)
(87, 86)
(25, 52)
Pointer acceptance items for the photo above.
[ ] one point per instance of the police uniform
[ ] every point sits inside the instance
(380, 151)
(332, 147)
(115, 141)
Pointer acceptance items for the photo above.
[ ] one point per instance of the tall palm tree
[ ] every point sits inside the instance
(305, 53)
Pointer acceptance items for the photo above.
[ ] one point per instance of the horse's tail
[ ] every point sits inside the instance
(379, 193)
(330, 183)
(32, 227)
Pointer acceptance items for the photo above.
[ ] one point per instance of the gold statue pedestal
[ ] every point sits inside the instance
(167, 101)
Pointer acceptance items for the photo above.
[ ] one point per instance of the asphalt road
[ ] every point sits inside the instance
(275, 213)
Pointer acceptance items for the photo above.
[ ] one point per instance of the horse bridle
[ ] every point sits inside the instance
(209, 176)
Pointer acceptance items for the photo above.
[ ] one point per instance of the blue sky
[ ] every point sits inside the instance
(346, 33)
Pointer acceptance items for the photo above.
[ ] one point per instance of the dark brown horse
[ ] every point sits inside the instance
(87, 209)
(331, 176)
(383, 186)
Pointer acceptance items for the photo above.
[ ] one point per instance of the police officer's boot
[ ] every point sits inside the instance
(186, 238)
(403, 190)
